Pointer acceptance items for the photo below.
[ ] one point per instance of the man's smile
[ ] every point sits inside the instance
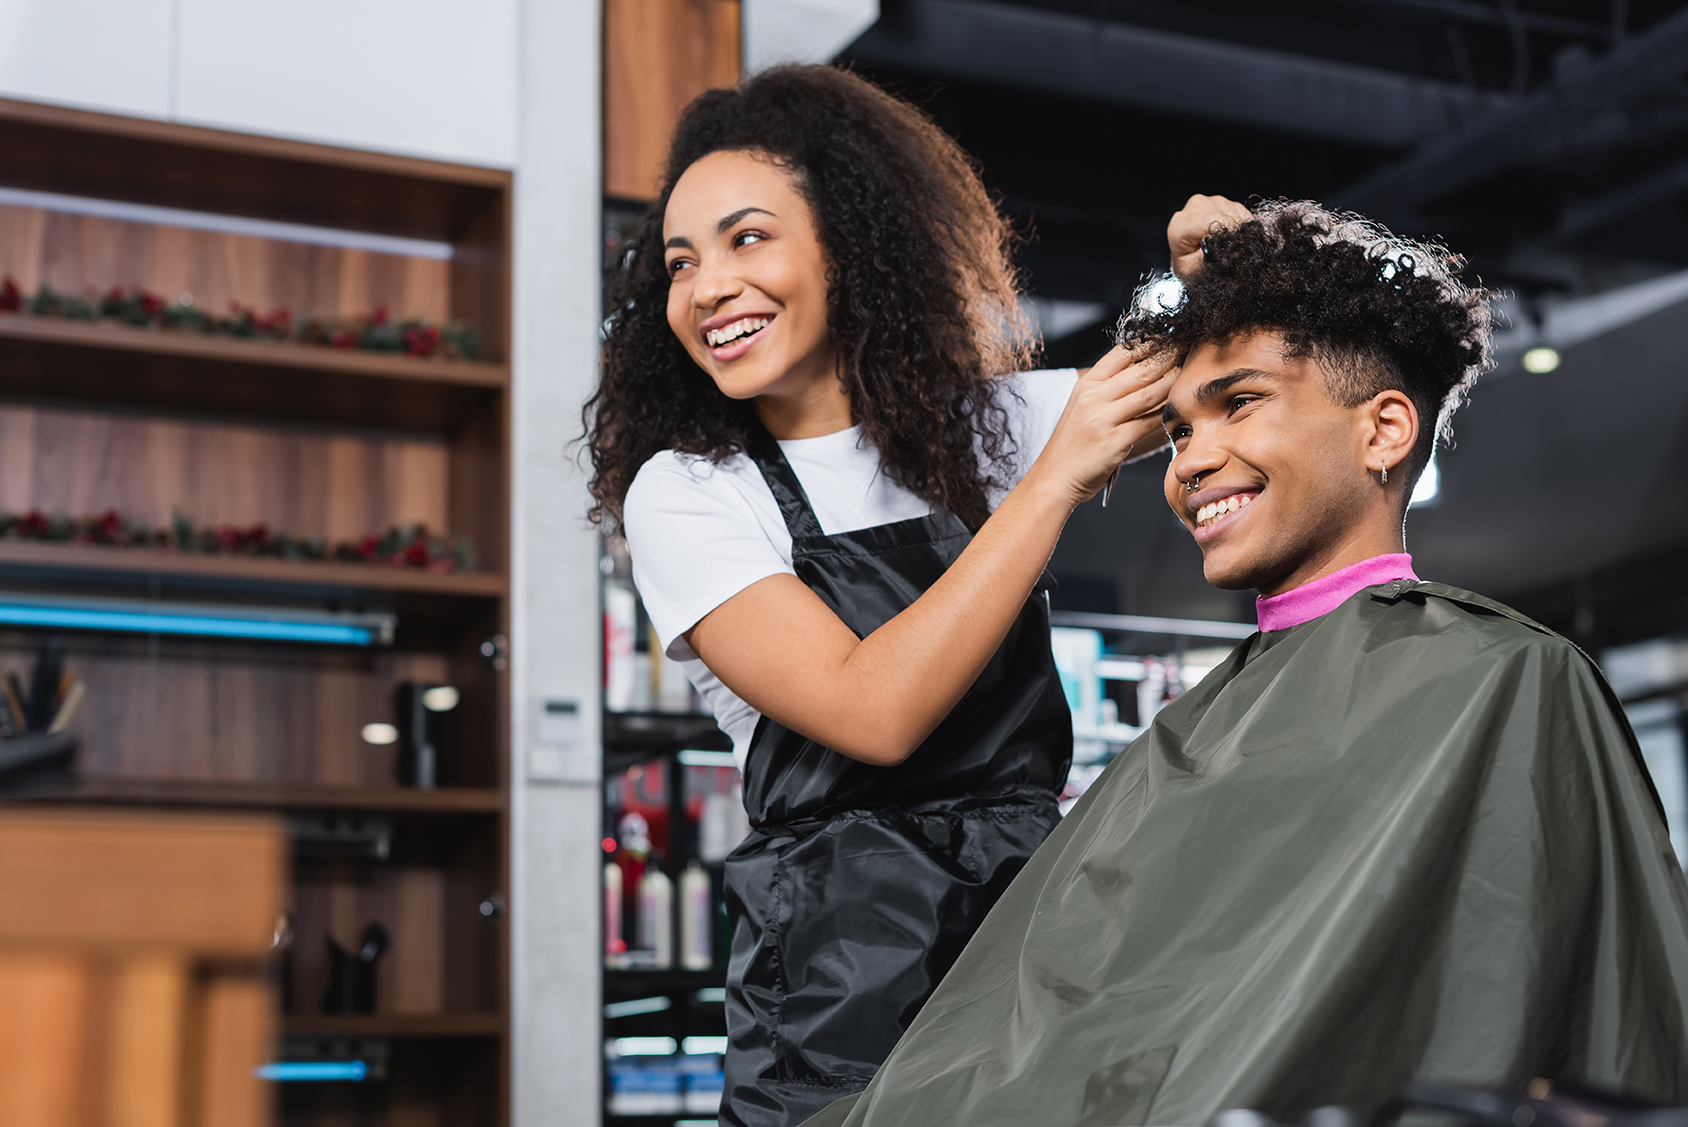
(1212, 506)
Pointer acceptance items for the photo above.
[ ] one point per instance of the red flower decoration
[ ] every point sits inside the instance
(11, 298)
(107, 528)
(33, 525)
(421, 341)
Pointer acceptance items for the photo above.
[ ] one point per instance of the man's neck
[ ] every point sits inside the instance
(1323, 595)
(1360, 545)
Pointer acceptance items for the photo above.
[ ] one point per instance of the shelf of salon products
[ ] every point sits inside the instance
(1118, 671)
(670, 819)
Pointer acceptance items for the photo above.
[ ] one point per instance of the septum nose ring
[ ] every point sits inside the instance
(1190, 486)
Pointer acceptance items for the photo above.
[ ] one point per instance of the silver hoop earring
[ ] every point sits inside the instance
(1386, 475)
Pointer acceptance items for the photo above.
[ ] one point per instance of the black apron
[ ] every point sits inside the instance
(858, 885)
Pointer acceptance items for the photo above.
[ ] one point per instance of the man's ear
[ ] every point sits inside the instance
(1388, 430)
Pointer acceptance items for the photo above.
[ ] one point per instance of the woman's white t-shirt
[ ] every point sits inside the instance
(700, 532)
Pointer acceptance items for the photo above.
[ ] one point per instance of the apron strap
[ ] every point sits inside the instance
(800, 519)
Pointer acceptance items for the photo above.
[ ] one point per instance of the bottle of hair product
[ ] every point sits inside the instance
(621, 614)
(614, 945)
(656, 917)
(696, 951)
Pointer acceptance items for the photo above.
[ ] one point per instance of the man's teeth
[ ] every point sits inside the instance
(730, 333)
(1216, 509)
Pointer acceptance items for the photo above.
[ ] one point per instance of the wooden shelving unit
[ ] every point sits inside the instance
(307, 440)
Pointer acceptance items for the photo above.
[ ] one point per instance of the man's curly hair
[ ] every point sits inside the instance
(1376, 311)
(922, 296)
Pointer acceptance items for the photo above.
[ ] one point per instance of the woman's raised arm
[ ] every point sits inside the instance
(785, 653)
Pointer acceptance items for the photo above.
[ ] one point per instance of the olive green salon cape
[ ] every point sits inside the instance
(1409, 840)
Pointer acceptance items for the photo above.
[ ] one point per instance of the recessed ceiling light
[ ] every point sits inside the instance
(1539, 360)
(380, 734)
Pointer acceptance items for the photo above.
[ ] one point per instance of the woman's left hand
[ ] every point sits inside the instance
(1112, 417)
(1145, 430)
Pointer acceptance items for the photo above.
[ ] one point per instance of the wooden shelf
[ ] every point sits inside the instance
(51, 359)
(282, 796)
(76, 561)
(463, 1025)
(117, 337)
(112, 157)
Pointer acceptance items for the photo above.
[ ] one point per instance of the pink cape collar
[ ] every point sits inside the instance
(1310, 600)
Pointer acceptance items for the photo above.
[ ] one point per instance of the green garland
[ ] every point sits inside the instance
(410, 546)
(141, 308)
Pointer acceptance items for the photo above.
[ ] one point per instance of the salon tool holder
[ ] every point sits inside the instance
(351, 974)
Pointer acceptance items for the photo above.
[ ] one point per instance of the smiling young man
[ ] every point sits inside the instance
(1400, 834)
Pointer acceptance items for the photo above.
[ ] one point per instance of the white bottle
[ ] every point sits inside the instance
(656, 916)
(613, 944)
(696, 950)
(620, 617)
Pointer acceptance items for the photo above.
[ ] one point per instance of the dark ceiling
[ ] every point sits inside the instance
(1547, 140)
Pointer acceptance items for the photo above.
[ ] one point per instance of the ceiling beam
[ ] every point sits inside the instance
(1641, 64)
(1592, 215)
(1469, 11)
(1064, 54)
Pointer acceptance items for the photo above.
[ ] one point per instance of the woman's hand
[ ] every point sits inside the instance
(1112, 417)
(1193, 223)
(786, 654)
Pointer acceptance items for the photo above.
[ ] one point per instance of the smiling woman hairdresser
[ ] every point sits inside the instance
(839, 522)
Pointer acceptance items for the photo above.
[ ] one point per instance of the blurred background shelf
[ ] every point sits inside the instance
(632, 983)
(65, 361)
(437, 1026)
(401, 802)
(93, 561)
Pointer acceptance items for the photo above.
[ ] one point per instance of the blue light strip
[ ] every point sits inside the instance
(199, 625)
(313, 1070)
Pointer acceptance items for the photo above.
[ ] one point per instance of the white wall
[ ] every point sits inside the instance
(428, 78)
(555, 581)
(97, 54)
(510, 83)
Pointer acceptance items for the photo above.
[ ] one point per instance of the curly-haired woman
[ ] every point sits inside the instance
(839, 510)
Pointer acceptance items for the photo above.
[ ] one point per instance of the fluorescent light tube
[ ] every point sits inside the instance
(643, 1047)
(257, 623)
(313, 1070)
(637, 1006)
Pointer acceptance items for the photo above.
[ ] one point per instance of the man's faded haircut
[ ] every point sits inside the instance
(1376, 311)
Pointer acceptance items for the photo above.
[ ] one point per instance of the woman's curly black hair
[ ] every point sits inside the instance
(921, 302)
(1375, 310)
